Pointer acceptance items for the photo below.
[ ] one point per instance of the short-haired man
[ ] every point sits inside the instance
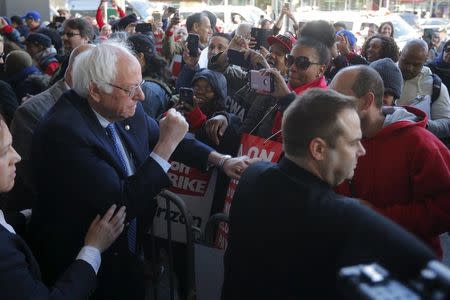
(97, 147)
(76, 32)
(200, 24)
(289, 232)
(406, 172)
(419, 83)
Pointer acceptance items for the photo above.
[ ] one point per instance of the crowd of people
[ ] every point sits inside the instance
(96, 109)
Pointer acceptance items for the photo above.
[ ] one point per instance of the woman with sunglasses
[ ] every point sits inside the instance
(441, 65)
(307, 64)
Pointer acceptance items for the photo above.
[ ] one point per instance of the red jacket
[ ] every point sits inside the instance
(405, 174)
(318, 83)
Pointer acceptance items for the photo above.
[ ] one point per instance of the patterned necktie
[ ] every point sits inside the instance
(120, 151)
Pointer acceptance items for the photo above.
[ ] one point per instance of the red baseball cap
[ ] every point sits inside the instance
(286, 40)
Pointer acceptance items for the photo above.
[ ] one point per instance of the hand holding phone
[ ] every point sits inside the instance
(144, 28)
(236, 57)
(193, 44)
(171, 10)
(187, 95)
(261, 36)
(59, 19)
(261, 82)
(280, 88)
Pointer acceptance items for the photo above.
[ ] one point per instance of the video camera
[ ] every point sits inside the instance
(373, 282)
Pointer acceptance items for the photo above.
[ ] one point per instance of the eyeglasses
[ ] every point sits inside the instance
(447, 50)
(131, 91)
(301, 62)
(70, 34)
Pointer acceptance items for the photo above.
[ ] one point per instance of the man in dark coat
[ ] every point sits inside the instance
(289, 232)
(97, 147)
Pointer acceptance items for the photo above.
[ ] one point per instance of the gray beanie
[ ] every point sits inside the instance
(391, 75)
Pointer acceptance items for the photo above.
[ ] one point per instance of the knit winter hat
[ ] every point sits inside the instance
(142, 43)
(39, 39)
(16, 61)
(127, 20)
(391, 75)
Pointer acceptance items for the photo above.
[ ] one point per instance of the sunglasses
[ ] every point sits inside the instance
(301, 62)
(70, 34)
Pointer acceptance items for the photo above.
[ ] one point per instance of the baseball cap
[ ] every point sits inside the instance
(35, 15)
(286, 40)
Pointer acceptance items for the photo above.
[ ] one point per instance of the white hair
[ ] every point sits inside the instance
(97, 66)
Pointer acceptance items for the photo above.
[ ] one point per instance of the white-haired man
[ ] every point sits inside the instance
(97, 147)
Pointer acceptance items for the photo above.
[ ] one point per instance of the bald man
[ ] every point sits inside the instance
(405, 173)
(418, 83)
(26, 118)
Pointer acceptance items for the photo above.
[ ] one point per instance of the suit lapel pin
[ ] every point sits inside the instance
(127, 127)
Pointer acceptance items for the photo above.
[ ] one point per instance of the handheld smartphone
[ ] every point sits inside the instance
(144, 27)
(171, 10)
(260, 82)
(287, 5)
(237, 58)
(58, 19)
(192, 44)
(187, 95)
(261, 36)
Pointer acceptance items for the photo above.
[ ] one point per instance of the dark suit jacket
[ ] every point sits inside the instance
(290, 234)
(20, 276)
(78, 176)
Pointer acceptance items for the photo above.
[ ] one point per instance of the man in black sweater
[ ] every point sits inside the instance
(289, 232)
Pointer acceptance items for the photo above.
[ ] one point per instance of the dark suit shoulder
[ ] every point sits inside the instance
(18, 282)
(11, 258)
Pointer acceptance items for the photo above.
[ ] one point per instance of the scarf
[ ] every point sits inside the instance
(320, 83)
